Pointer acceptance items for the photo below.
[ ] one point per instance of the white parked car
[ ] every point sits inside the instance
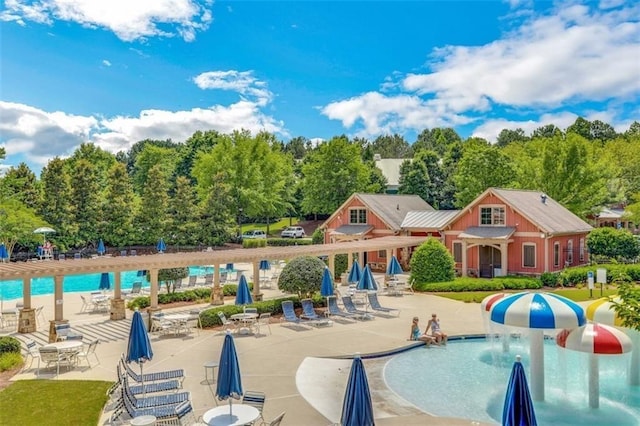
(293, 232)
(254, 234)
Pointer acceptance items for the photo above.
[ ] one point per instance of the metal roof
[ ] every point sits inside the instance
(353, 229)
(487, 232)
(428, 219)
(45, 268)
(393, 208)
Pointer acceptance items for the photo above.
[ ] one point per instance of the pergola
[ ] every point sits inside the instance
(26, 271)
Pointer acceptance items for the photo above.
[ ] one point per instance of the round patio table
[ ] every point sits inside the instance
(240, 414)
(244, 322)
(65, 345)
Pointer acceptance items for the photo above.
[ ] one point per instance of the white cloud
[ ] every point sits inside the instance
(41, 135)
(571, 56)
(242, 82)
(129, 20)
(106, 63)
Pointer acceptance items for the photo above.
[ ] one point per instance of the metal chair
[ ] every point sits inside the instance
(276, 421)
(255, 399)
(264, 319)
(90, 349)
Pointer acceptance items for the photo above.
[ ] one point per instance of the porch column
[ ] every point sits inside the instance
(332, 265)
(504, 258)
(256, 281)
(464, 258)
(117, 285)
(361, 258)
(26, 292)
(153, 280)
(216, 291)
(349, 261)
(545, 241)
(27, 322)
(390, 253)
(58, 298)
(117, 311)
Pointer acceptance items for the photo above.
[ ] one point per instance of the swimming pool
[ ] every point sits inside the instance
(79, 283)
(468, 379)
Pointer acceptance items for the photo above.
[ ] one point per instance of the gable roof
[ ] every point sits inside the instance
(426, 219)
(390, 208)
(550, 216)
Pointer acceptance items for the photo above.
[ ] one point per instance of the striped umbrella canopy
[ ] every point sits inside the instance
(594, 339)
(355, 273)
(537, 311)
(489, 301)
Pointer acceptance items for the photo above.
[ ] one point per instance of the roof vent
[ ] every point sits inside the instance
(377, 157)
(543, 198)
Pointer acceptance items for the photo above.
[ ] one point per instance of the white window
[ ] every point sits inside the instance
(357, 216)
(492, 216)
(529, 255)
(457, 252)
(382, 254)
(556, 254)
(570, 252)
(581, 248)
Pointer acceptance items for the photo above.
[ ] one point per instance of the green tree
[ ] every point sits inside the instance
(414, 179)
(183, 213)
(581, 127)
(216, 217)
(431, 263)
(547, 131)
(391, 146)
(86, 197)
(151, 156)
(481, 167)
(377, 181)
(101, 160)
(152, 220)
(628, 308)
(169, 276)
(119, 208)
(613, 243)
(302, 276)
(336, 165)
(438, 140)
(20, 183)
(17, 223)
(508, 136)
(197, 143)
(297, 147)
(57, 206)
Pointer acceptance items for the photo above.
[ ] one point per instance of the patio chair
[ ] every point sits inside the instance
(9, 319)
(193, 281)
(276, 421)
(40, 314)
(165, 414)
(350, 307)
(264, 319)
(308, 312)
(32, 353)
(289, 314)
(135, 389)
(50, 356)
(64, 332)
(154, 400)
(158, 325)
(136, 290)
(375, 305)
(77, 256)
(334, 310)
(152, 377)
(227, 323)
(255, 399)
(88, 350)
(85, 304)
(251, 311)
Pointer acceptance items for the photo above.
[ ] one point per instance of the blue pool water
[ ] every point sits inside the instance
(468, 379)
(79, 283)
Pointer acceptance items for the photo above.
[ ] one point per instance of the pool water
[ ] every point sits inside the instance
(468, 379)
(79, 283)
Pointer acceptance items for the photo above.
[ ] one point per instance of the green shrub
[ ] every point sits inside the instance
(288, 242)
(481, 284)
(232, 289)
(318, 236)
(340, 265)
(549, 279)
(209, 318)
(9, 344)
(10, 360)
(519, 283)
(169, 276)
(302, 276)
(254, 243)
(432, 263)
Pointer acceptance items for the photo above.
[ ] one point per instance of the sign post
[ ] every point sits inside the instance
(590, 283)
(601, 277)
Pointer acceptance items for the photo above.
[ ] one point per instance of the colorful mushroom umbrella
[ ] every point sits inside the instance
(602, 311)
(489, 301)
(594, 339)
(537, 311)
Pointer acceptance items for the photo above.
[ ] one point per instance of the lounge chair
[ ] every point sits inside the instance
(153, 387)
(166, 414)
(350, 307)
(152, 377)
(136, 290)
(309, 313)
(375, 305)
(334, 310)
(154, 400)
(255, 399)
(276, 421)
(193, 281)
(64, 332)
(289, 314)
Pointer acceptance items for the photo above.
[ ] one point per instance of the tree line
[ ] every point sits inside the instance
(197, 191)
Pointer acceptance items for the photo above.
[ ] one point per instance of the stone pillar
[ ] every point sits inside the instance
(118, 311)
(256, 281)
(464, 258)
(26, 292)
(53, 336)
(153, 279)
(58, 298)
(217, 297)
(27, 321)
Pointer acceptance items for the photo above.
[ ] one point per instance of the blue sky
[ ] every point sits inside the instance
(114, 72)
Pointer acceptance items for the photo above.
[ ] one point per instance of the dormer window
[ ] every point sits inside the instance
(357, 216)
(492, 216)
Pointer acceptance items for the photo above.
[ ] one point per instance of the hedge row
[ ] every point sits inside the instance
(196, 295)
(209, 317)
(9, 344)
(615, 272)
(289, 242)
(475, 284)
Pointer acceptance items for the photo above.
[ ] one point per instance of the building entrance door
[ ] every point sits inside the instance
(490, 261)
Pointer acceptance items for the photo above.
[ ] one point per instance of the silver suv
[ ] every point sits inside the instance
(254, 234)
(293, 232)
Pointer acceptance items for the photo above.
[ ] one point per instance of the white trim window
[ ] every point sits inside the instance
(570, 252)
(457, 251)
(581, 248)
(556, 254)
(492, 216)
(357, 216)
(528, 255)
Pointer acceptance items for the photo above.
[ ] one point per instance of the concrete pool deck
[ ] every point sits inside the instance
(287, 365)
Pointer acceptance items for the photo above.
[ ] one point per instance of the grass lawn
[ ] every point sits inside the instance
(53, 402)
(577, 295)
(274, 228)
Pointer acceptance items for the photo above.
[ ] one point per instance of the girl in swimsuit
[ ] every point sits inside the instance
(415, 333)
(434, 324)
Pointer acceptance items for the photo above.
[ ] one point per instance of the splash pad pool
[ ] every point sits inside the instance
(468, 379)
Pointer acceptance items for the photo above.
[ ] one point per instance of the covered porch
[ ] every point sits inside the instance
(492, 250)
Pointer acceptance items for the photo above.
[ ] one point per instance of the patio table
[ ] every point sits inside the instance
(179, 322)
(70, 348)
(240, 414)
(244, 321)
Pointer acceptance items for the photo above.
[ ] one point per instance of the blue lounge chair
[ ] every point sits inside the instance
(155, 400)
(375, 305)
(152, 377)
(173, 413)
(153, 387)
(334, 310)
(289, 313)
(309, 313)
(351, 308)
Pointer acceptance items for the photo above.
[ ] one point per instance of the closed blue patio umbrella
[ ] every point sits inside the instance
(139, 347)
(101, 249)
(326, 289)
(4, 254)
(161, 246)
(355, 273)
(229, 267)
(394, 267)
(265, 266)
(357, 409)
(105, 281)
(367, 282)
(229, 381)
(243, 295)
(518, 406)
